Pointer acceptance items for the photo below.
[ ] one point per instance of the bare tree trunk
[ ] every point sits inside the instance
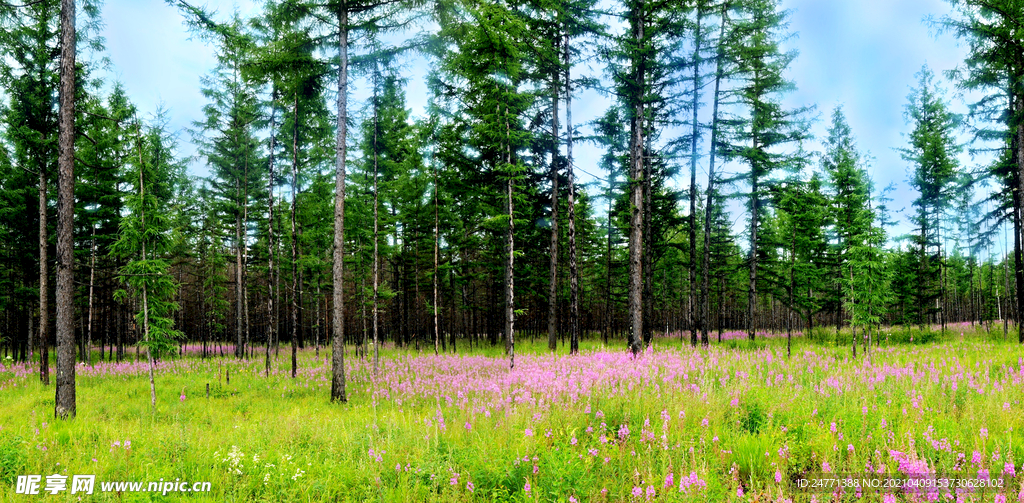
(376, 253)
(853, 326)
(754, 208)
(65, 406)
(1018, 152)
(337, 353)
(705, 301)
(44, 284)
(92, 279)
(271, 313)
(437, 329)
(636, 203)
(318, 325)
(245, 255)
(792, 287)
(574, 277)
(553, 285)
(295, 255)
(647, 258)
(239, 295)
(608, 269)
(694, 320)
(509, 278)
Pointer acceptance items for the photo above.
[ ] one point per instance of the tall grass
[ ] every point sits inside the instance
(727, 423)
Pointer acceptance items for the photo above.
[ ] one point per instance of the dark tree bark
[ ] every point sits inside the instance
(271, 314)
(239, 295)
(553, 285)
(574, 279)
(92, 280)
(338, 267)
(1017, 148)
(705, 301)
(376, 253)
(437, 328)
(636, 203)
(692, 227)
(44, 285)
(64, 406)
(510, 264)
(296, 286)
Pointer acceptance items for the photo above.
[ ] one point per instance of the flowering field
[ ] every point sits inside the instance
(724, 424)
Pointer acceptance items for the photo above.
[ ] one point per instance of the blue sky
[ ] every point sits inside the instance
(862, 54)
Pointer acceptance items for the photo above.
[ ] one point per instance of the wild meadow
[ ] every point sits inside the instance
(734, 422)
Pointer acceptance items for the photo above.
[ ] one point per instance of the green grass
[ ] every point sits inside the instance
(279, 439)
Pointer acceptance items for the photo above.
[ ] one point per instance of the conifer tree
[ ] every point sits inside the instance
(991, 29)
(768, 127)
(145, 239)
(849, 196)
(932, 155)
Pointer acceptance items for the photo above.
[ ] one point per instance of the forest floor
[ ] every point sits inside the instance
(735, 422)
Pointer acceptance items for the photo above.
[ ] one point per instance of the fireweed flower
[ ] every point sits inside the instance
(637, 492)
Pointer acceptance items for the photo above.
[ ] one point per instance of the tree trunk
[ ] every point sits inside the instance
(509, 266)
(376, 256)
(239, 295)
(337, 353)
(574, 278)
(705, 301)
(437, 328)
(64, 406)
(271, 314)
(647, 258)
(44, 284)
(1018, 152)
(636, 171)
(752, 286)
(92, 279)
(553, 285)
(692, 227)
(295, 256)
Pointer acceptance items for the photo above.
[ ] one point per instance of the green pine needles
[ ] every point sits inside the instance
(146, 235)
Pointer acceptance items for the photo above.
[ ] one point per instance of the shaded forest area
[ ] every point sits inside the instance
(322, 218)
